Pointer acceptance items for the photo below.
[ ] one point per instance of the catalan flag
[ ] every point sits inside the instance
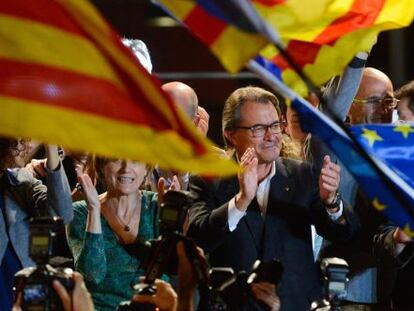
(388, 179)
(321, 36)
(221, 26)
(323, 47)
(67, 79)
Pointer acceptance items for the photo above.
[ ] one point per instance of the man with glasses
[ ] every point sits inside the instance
(374, 102)
(266, 211)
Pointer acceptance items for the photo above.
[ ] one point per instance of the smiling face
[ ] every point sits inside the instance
(268, 146)
(123, 177)
(374, 84)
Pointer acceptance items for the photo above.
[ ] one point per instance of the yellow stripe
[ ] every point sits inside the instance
(106, 137)
(105, 41)
(179, 8)
(303, 20)
(46, 45)
(331, 60)
(235, 48)
(396, 13)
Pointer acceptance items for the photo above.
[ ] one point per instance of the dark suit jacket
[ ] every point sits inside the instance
(285, 234)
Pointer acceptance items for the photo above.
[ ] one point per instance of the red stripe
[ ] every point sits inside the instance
(302, 52)
(270, 3)
(362, 14)
(42, 11)
(69, 90)
(204, 25)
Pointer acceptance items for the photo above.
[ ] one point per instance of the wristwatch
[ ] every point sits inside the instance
(336, 202)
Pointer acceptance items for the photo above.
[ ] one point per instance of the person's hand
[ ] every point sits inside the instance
(266, 292)
(90, 193)
(175, 186)
(80, 300)
(400, 240)
(202, 120)
(164, 298)
(187, 278)
(329, 180)
(37, 168)
(247, 179)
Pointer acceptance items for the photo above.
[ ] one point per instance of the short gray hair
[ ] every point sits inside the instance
(141, 52)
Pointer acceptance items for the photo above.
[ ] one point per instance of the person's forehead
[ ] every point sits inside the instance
(374, 86)
(253, 110)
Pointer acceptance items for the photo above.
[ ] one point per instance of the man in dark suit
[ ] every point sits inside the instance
(267, 211)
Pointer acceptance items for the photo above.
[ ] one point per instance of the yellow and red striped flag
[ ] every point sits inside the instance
(324, 46)
(66, 78)
(321, 36)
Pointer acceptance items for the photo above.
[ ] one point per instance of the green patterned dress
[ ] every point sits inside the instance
(108, 269)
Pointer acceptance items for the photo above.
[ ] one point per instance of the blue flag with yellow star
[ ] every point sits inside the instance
(393, 144)
(387, 178)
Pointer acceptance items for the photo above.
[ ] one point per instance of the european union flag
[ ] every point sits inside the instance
(388, 179)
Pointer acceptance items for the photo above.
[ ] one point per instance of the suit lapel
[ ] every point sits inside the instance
(255, 225)
(282, 186)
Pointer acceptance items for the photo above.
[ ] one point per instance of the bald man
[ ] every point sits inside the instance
(369, 282)
(186, 99)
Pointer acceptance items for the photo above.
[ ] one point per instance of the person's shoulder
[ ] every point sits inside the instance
(150, 197)
(80, 207)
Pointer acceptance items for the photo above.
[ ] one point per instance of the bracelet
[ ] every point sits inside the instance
(335, 203)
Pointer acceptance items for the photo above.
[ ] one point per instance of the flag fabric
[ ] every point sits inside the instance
(221, 26)
(392, 144)
(385, 181)
(67, 79)
(321, 36)
(324, 46)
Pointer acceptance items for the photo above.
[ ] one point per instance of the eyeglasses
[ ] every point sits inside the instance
(259, 130)
(387, 102)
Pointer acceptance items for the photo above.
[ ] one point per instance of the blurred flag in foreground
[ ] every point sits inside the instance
(67, 79)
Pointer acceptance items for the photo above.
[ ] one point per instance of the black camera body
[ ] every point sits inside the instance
(159, 256)
(231, 291)
(33, 285)
(335, 280)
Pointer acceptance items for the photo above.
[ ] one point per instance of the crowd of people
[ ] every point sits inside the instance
(292, 201)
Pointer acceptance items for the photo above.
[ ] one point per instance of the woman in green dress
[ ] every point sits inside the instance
(102, 224)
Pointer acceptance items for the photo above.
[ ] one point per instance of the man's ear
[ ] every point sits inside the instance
(229, 135)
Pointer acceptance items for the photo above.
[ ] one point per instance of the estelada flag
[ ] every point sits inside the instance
(66, 78)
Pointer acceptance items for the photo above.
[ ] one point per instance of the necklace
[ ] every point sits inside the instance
(126, 226)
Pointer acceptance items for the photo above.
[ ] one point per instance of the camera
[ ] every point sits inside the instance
(231, 291)
(159, 256)
(335, 280)
(33, 285)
